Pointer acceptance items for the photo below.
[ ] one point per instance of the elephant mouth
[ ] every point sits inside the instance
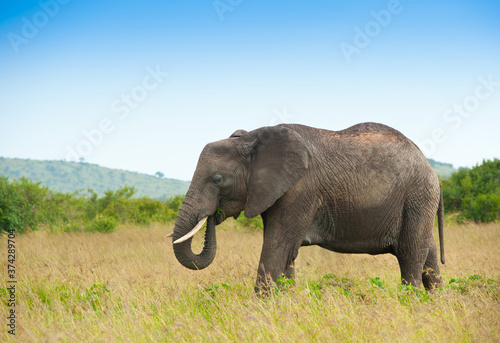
(219, 217)
(190, 233)
(184, 253)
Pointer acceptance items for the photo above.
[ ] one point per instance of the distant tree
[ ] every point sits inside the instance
(475, 192)
(20, 203)
(159, 174)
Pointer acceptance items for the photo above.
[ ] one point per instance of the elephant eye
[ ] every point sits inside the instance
(217, 179)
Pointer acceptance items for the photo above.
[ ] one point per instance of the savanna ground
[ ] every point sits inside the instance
(127, 286)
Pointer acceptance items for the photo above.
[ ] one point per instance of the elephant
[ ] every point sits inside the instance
(365, 189)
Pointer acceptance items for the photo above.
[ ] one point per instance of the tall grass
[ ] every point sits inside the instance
(127, 286)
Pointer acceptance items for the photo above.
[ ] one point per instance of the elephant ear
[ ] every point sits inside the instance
(238, 133)
(278, 159)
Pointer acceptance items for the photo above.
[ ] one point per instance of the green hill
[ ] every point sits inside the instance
(443, 169)
(69, 177)
(72, 176)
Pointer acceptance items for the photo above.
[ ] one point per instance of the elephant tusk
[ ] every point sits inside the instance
(192, 232)
(170, 234)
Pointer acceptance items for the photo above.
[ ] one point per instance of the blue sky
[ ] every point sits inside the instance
(143, 86)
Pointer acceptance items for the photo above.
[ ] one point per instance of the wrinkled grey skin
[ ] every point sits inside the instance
(366, 189)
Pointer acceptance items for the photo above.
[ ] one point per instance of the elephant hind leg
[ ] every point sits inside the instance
(430, 274)
(421, 267)
(411, 255)
(416, 249)
(411, 271)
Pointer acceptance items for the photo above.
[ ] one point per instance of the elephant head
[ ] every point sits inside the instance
(247, 172)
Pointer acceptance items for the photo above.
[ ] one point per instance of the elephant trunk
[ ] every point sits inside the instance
(183, 251)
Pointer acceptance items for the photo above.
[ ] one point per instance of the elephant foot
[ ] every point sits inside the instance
(282, 284)
(431, 280)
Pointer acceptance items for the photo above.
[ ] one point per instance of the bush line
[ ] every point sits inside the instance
(473, 194)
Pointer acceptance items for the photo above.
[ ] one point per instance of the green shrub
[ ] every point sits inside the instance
(20, 204)
(474, 193)
(26, 205)
(173, 204)
(63, 210)
(484, 208)
(102, 224)
(254, 223)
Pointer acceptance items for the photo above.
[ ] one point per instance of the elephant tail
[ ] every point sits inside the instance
(441, 223)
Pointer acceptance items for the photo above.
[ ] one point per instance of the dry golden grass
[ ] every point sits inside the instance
(127, 286)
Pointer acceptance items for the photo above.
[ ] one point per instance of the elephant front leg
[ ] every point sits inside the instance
(275, 261)
(290, 270)
(285, 226)
(279, 251)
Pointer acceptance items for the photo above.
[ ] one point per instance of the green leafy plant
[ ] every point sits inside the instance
(26, 205)
(253, 224)
(20, 204)
(102, 224)
(95, 295)
(474, 193)
(376, 281)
